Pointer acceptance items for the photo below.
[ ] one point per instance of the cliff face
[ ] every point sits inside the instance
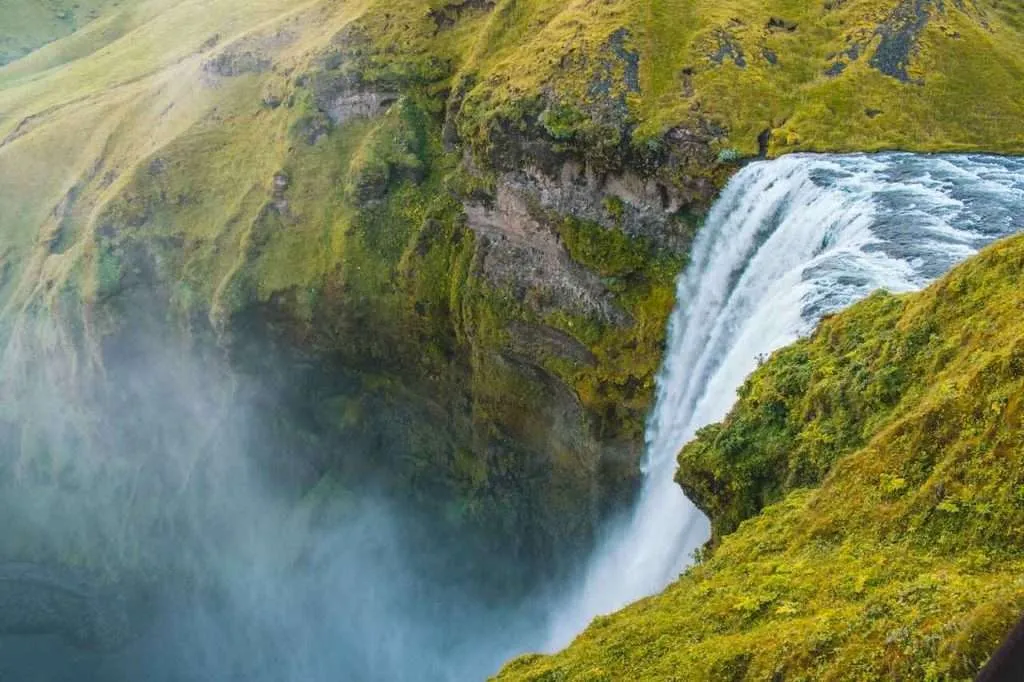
(445, 231)
(865, 494)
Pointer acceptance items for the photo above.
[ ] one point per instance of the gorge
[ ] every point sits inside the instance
(363, 340)
(788, 242)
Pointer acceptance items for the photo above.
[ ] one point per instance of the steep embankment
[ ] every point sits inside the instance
(866, 497)
(460, 222)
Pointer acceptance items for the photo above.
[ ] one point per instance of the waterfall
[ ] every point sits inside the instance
(788, 241)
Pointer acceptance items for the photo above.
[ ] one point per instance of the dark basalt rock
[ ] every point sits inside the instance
(728, 48)
(446, 17)
(836, 69)
(777, 24)
(687, 77)
(1007, 663)
(532, 340)
(899, 33)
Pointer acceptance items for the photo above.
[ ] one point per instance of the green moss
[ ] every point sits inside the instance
(562, 122)
(616, 208)
(618, 386)
(772, 79)
(878, 467)
(108, 272)
(530, 83)
(395, 150)
(610, 252)
(811, 404)
(363, 253)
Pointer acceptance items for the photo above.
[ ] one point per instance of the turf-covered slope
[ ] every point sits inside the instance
(462, 218)
(860, 75)
(27, 26)
(889, 450)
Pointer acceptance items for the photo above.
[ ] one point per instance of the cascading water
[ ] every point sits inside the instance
(787, 242)
(244, 582)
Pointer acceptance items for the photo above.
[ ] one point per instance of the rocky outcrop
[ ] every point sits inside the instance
(248, 55)
(343, 104)
(520, 253)
(640, 206)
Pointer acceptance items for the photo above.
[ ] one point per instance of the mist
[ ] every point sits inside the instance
(157, 527)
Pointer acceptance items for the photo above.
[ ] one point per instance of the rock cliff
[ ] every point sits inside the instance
(444, 231)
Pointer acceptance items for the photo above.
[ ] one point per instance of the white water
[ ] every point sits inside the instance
(788, 241)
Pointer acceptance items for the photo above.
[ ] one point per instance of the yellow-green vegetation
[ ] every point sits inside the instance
(310, 171)
(642, 277)
(857, 75)
(867, 493)
(26, 26)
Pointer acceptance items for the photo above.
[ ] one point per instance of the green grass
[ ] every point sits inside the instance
(866, 493)
(960, 58)
(119, 89)
(117, 138)
(28, 25)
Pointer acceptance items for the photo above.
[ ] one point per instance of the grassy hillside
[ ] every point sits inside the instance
(658, 89)
(878, 466)
(363, 184)
(27, 26)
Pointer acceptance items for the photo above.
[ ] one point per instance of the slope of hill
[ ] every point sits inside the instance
(464, 218)
(866, 494)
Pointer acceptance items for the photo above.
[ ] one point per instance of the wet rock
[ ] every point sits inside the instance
(763, 140)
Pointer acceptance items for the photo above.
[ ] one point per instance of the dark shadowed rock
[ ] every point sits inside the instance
(899, 33)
